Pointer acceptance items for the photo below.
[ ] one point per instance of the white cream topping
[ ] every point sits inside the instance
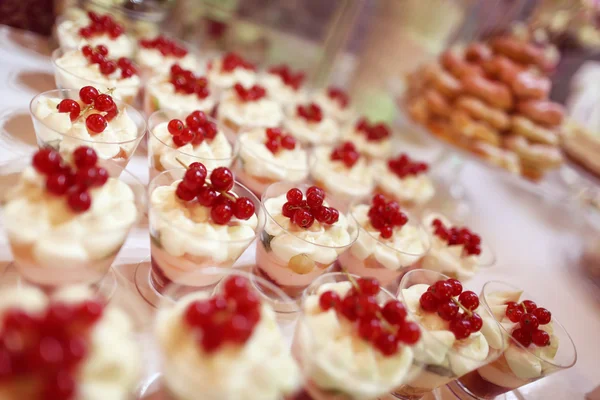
(321, 243)
(406, 246)
(377, 149)
(113, 363)
(80, 72)
(225, 80)
(59, 237)
(339, 360)
(337, 178)
(332, 107)
(326, 131)
(68, 38)
(214, 153)
(261, 113)
(259, 161)
(160, 64)
(449, 260)
(186, 229)
(417, 189)
(163, 96)
(262, 368)
(279, 91)
(118, 137)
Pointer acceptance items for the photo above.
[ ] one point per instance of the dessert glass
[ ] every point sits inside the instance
(257, 168)
(127, 91)
(180, 251)
(372, 257)
(262, 369)
(529, 365)
(69, 250)
(118, 148)
(349, 368)
(164, 155)
(445, 359)
(290, 261)
(160, 94)
(325, 131)
(238, 114)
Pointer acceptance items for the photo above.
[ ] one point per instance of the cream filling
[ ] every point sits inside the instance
(226, 80)
(113, 364)
(262, 368)
(418, 189)
(164, 96)
(339, 360)
(321, 243)
(160, 64)
(215, 153)
(406, 246)
(259, 161)
(279, 91)
(332, 107)
(378, 149)
(338, 179)
(58, 131)
(325, 132)
(186, 229)
(60, 238)
(261, 113)
(68, 38)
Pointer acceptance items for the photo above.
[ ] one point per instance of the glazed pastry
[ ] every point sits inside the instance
(479, 110)
(530, 130)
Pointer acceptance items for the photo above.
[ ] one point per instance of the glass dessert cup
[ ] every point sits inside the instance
(152, 100)
(162, 156)
(332, 367)
(453, 261)
(372, 257)
(67, 250)
(178, 254)
(444, 362)
(96, 345)
(291, 262)
(186, 370)
(118, 151)
(65, 79)
(498, 377)
(257, 172)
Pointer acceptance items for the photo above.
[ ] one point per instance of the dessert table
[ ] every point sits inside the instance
(536, 240)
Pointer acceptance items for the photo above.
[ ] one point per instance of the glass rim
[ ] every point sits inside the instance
(240, 149)
(140, 123)
(264, 198)
(61, 50)
(507, 333)
(260, 222)
(221, 128)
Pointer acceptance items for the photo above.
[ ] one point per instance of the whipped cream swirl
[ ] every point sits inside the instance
(376, 149)
(279, 91)
(226, 79)
(417, 189)
(326, 131)
(161, 94)
(260, 113)
(159, 64)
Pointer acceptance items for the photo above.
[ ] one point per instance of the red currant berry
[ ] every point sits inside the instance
(47, 161)
(387, 344)
(207, 196)
(87, 50)
(199, 314)
(101, 177)
(123, 62)
(115, 31)
(221, 179)
(369, 329)
(200, 167)
(428, 302)
(108, 67)
(69, 106)
(96, 123)
(522, 336)
(212, 338)
(244, 208)
(294, 196)
(409, 333)
(379, 200)
(87, 94)
(97, 58)
(112, 113)
(103, 102)
(186, 135)
(476, 322)
(367, 306)
(315, 189)
(85, 157)
(57, 184)
(60, 385)
(288, 142)
(448, 310)
(79, 201)
(529, 305)
(101, 49)
(442, 290)
(221, 214)
(234, 285)
(273, 133)
(368, 286)
(303, 219)
(349, 307)
(329, 300)
(335, 215)
(184, 193)
(323, 214)
(394, 312)
(288, 210)
(194, 179)
(386, 232)
(540, 338)
(461, 328)
(237, 329)
(128, 72)
(469, 300)
(247, 302)
(529, 322)
(544, 316)
(456, 286)
(514, 311)
(272, 145)
(193, 121)
(314, 198)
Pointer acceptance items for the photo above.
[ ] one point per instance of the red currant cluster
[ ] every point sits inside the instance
(231, 61)
(441, 297)
(95, 122)
(303, 212)
(384, 327)
(403, 166)
(386, 215)
(310, 112)
(166, 46)
(61, 179)
(229, 317)
(374, 132)
(185, 81)
(99, 55)
(48, 347)
(287, 76)
(214, 194)
(458, 236)
(529, 317)
(339, 95)
(195, 130)
(346, 153)
(101, 25)
(276, 139)
(255, 93)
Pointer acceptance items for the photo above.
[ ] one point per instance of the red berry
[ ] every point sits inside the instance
(476, 322)
(323, 214)
(369, 329)
(386, 232)
(244, 208)
(529, 322)
(272, 145)
(193, 121)
(101, 177)
(47, 161)
(85, 32)
(428, 302)
(469, 300)
(194, 179)
(247, 302)
(288, 210)
(123, 62)
(221, 214)
(69, 106)
(96, 123)
(90, 311)
(387, 344)
(394, 312)
(288, 142)
(97, 58)
(102, 49)
(212, 338)
(442, 290)
(349, 306)
(294, 196)
(60, 385)
(87, 94)
(175, 127)
(237, 329)
(334, 216)
(456, 286)
(368, 286)
(199, 314)
(514, 311)
(108, 67)
(409, 333)
(186, 135)
(111, 113)
(544, 316)
(115, 31)
(367, 306)
(57, 184)
(103, 102)
(529, 305)
(234, 285)
(448, 310)
(184, 193)
(79, 201)
(329, 300)
(303, 219)
(87, 50)
(207, 196)
(522, 336)
(86, 177)
(222, 179)
(540, 338)
(461, 328)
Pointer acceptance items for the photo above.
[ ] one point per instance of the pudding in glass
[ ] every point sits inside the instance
(372, 140)
(283, 85)
(225, 72)
(156, 56)
(335, 102)
(310, 125)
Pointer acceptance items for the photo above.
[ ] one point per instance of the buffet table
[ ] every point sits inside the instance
(536, 239)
